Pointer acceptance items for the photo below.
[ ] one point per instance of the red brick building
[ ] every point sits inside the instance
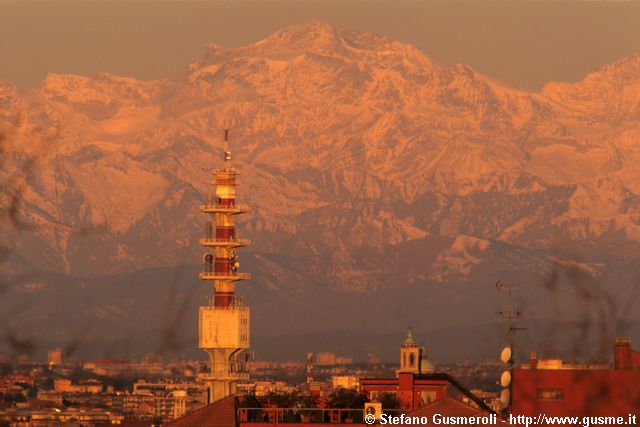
(416, 384)
(557, 389)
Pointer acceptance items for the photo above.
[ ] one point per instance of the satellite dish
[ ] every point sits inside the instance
(505, 356)
(505, 379)
(505, 397)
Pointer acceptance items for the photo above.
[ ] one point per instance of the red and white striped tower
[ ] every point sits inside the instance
(224, 321)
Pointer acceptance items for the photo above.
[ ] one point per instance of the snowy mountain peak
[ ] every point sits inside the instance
(340, 130)
(311, 35)
(318, 38)
(612, 93)
(626, 69)
(368, 170)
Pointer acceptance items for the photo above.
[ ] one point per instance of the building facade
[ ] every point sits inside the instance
(555, 388)
(416, 384)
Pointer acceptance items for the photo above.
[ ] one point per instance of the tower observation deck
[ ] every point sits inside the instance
(224, 321)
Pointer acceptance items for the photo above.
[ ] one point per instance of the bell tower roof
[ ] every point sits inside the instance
(409, 341)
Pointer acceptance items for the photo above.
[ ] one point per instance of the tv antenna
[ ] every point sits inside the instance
(511, 315)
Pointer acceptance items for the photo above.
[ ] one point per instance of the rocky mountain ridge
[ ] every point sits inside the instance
(368, 168)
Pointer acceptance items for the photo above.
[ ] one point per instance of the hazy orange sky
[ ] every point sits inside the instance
(523, 43)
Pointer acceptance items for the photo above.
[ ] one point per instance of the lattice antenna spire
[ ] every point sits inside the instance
(227, 151)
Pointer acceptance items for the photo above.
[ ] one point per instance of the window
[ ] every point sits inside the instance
(427, 397)
(549, 394)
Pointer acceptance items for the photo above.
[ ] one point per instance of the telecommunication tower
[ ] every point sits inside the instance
(224, 321)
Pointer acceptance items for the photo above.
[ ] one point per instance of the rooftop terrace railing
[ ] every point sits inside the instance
(278, 416)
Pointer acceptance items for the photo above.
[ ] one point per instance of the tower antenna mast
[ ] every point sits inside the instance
(227, 151)
(511, 315)
(224, 322)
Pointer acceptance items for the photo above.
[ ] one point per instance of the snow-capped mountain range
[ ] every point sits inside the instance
(369, 168)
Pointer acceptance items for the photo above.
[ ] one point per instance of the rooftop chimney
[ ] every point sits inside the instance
(533, 360)
(623, 358)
